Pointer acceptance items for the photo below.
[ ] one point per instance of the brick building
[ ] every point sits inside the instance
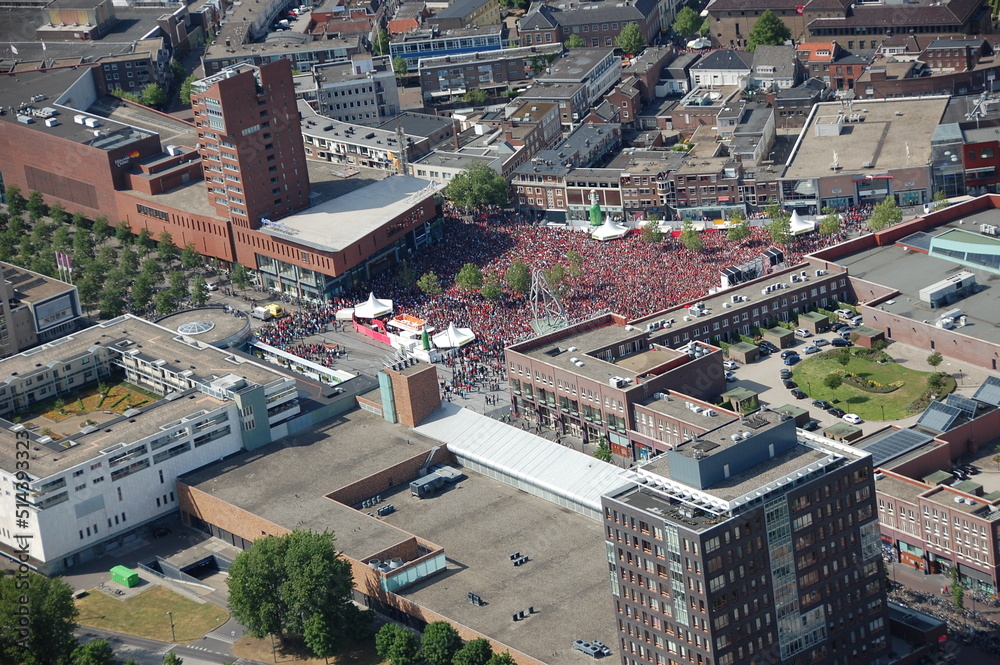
(461, 13)
(447, 75)
(131, 72)
(596, 23)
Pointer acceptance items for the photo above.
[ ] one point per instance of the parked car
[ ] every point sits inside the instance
(812, 348)
(785, 373)
(785, 354)
(835, 412)
(791, 360)
(798, 394)
(821, 341)
(852, 418)
(841, 342)
(788, 383)
(857, 321)
(730, 364)
(821, 404)
(844, 313)
(730, 377)
(969, 469)
(837, 327)
(958, 473)
(770, 347)
(811, 426)
(802, 333)
(763, 350)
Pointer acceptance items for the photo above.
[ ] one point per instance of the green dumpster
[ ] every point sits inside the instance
(124, 576)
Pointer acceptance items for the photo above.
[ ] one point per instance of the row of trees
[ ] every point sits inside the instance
(517, 278)
(440, 644)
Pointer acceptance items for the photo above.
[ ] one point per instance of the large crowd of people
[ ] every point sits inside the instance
(628, 276)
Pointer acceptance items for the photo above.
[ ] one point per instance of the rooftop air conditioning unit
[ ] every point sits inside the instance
(687, 318)
(765, 290)
(726, 305)
(820, 273)
(735, 437)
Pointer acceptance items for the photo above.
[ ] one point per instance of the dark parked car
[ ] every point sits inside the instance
(763, 351)
(798, 394)
(785, 354)
(969, 469)
(840, 341)
(821, 404)
(788, 383)
(785, 373)
(837, 327)
(835, 412)
(811, 426)
(770, 347)
(791, 360)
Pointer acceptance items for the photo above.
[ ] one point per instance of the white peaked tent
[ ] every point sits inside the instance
(609, 231)
(453, 337)
(798, 226)
(372, 308)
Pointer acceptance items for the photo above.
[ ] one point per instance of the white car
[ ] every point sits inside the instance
(844, 313)
(852, 418)
(802, 333)
(812, 348)
(819, 341)
(730, 364)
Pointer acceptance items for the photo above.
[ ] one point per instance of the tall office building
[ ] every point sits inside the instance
(747, 545)
(251, 142)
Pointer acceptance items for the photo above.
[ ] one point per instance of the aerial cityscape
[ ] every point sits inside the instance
(499, 332)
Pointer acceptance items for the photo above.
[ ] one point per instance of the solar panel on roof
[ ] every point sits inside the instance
(967, 406)
(894, 444)
(989, 392)
(938, 417)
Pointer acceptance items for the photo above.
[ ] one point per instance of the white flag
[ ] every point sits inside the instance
(43, 46)
(14, 49)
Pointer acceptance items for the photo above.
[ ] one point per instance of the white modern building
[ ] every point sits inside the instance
(74, 488)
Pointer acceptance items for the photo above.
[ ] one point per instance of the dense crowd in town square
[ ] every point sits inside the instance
(628, 276)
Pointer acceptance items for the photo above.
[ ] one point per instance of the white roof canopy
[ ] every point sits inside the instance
(453, 337)
(372, 308)
(797, 225)
(609, 231)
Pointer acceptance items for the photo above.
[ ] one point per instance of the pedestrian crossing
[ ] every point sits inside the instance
(226, 636)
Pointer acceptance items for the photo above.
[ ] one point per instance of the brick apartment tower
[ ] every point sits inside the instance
(746, 546)
(250, 142)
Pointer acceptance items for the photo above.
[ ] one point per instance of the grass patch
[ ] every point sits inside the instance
(121, 394)
(809, 375)
(145, 615)
(354, 652)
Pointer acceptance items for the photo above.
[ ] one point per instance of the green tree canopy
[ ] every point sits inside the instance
(935, 359)
(153, 96)
(430, 284)
(501, 659)
(830, 224)
(240, 277)
(166, 249)
(491, 287)
(439, 643)
(145, 239)
(603, 451)
(470, 277)
(123, 234)
(397, 645)
(630, 39)
(187, 87)
(95, 652)
(405, 275)
(130, 96)
(381, 44)
(400, 67)
(651, 232)
(199, 291)
(557, 278)
(47, 637)
(768, 29)
(477, 186)
(16, 203)
(690, 237)
(142, 291)
(295, 586)
(474, 652)
(833, 380)
(58, 213)
(172, 659)
(885, 214)
(36, 205)
(518, 277)
(475, 96)
(574, 41)
(740, 230)
(687, 22)
(780, 229)
(190, 258)
(575, 261)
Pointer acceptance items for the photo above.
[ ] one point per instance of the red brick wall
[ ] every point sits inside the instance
(211, 236)
(971, 436)
(224, 515)
(416, 394)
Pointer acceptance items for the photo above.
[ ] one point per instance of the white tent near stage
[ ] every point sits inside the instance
(373, 308)
(345, 314)
(453, 337)
(798, 226)
(609, 231)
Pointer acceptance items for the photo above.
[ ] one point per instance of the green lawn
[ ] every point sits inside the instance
(809, 375)
(145, 615)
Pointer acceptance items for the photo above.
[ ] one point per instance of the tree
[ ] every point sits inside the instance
(89, 287)
(491, 287)
(470, 277)
(557, 277)
(690, 237)
(381, 44)
(430, 284)
(164, 302)
(477, 186)
(400, 67)
(780, 229)
(957, 589)
(16, 203)
(290, 586)
(83, 246)
(36, 205)
(42, 632)
(240, 277)
(575, 261)
(190, 258)
(187, 87)
(145, 240)
(518, 277)
(178, 285)
(128, 259)
(474, 652)
(603, 451)
(151, 267)
(172, 659)
(95, 652)
(844, 357)
(651, 232)
(687, 22)
(885, 214)
(574, 41)
(830, 224)
(833, 380)
(61, 241)
(166, 249)
(79, 221)
(501, 659)
(130, 96)
(935, 359)
(44, 261)
(177, 71)
(630, 39)
(404, 274)
(112, 300)
(142, 291)
(199, 292)
(940, 200)
(476, 97)
(396, 644)
(58, 213)
(153, 96)
(439, 643)
(740, 230)
(769, 29)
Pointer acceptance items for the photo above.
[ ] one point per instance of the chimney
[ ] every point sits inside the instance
(455, 128)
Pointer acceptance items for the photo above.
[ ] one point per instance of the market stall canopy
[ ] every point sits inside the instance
(798, 226)
(453, 337)
(345, 314)
(372, 308)
(609, 231)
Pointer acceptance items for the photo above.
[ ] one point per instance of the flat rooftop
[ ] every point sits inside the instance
(172, 131)
(900, 489)
(890, 129)
(32, 287)
(223, 325)
(586, 342)
(336, 224)
(576, 64)
(910, 271)
(675, 407)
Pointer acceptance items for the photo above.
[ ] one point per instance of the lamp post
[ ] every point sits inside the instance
(171, 616)
(882, 406)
